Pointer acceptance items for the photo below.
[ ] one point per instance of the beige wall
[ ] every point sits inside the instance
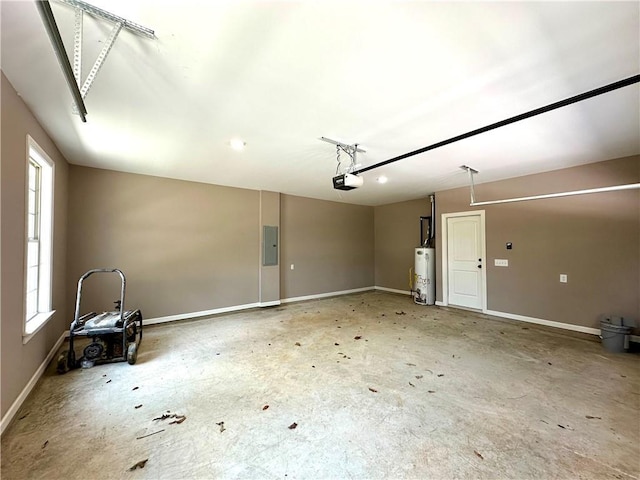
(592, 238)
(269, 275)
(184, 246)
(20, 362)
(397, 233)
(330, 244)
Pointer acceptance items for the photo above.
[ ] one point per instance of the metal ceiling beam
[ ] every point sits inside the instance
(100, 13)
(44, 8)
(77, 46)
(101, 58)
(553, 106)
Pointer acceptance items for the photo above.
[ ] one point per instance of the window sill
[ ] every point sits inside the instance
(34, 325)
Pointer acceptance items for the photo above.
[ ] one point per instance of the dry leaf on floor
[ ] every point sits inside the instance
(373, 390)
(179, 419)
(592, 418)
(265, 407)
(140, 464)
(221, 425)
(293, 426)
(478, 454)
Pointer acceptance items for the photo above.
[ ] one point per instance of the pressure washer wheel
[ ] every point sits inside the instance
(63, 362)
(132, 353)
(93, 351)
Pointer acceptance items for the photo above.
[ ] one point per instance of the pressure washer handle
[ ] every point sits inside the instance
(87, 275)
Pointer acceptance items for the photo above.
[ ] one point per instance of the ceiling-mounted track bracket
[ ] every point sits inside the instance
(350, 150)
(470, 171)
(119, 23)
(103, 14)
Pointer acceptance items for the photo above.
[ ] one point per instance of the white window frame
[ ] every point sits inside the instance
(44, 218)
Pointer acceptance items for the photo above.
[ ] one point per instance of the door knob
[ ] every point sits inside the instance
(479, 266)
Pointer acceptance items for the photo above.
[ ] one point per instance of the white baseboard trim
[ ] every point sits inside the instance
(325, 295)
(548, 323)
(393, 290)
(8, 417)
(540, 321)
(203, 313)
(273, 303)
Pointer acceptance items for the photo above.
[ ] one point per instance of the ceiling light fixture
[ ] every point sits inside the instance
(382, 179)
(237, 144)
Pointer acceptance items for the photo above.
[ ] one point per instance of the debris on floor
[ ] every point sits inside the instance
(292, 426)
(109, 381)
(298, 344)
(265, 407)
(221, 425)
(336, 344)
(410, 364)
(373, 390)
(419, 376)
(441, 374)
(411, 384)
(137, 406)
(140, 464)
(478, 455)
(24, 416)
(45, 444)
(134, 388)
(431, 391)
(178, 418)
(357, 337)
(149, 434)
(593, 418)
(400, 313)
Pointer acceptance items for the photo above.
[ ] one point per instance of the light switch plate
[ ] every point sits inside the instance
(563, 278)
(501, 262)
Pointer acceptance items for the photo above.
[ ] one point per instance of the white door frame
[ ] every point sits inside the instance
(445, 254)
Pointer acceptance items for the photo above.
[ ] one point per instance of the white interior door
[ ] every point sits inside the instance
(464, 261)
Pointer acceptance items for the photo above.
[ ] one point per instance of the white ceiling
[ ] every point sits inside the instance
(391, 76)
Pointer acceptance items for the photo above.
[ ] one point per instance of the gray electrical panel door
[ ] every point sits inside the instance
(269, 245)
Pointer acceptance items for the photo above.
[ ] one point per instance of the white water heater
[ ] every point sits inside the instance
(424, 284)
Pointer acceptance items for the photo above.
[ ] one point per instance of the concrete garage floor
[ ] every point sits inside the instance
(378, 387)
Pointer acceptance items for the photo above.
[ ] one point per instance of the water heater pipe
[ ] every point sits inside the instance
(432, 228)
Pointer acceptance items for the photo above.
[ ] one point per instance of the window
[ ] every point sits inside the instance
(39, 239)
